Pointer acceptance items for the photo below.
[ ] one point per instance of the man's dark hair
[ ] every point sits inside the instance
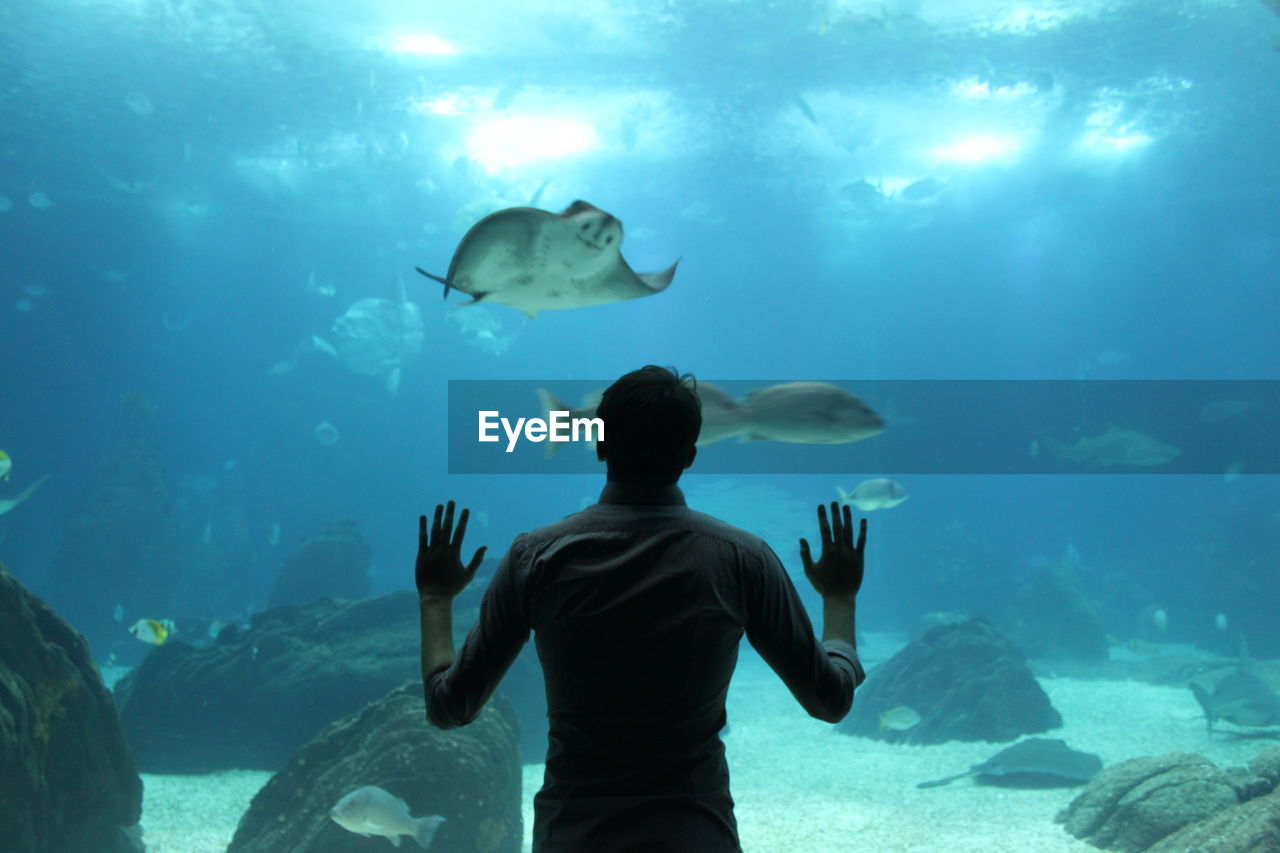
(652, 417)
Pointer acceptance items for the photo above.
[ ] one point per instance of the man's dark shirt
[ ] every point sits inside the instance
(638, 605)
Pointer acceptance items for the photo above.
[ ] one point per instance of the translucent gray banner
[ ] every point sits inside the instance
(1207, 427)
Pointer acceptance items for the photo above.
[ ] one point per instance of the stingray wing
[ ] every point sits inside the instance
(496, 251)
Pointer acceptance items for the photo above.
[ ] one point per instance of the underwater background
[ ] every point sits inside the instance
(856, 191)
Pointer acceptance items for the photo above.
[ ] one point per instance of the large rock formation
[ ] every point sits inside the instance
(966, 681)
(1132, 805)
(67, 781)
(332, 564)
(253, 698)
(470, 776)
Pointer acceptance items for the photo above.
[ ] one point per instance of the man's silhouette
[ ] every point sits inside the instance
(638, 605)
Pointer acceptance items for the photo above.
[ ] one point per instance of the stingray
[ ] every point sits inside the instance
(1034, 763)
(535, 260)
(1241, 698)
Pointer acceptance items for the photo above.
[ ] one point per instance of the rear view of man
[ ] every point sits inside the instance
(638, 605)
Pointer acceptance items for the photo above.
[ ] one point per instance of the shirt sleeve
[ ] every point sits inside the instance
(821, 675)
(457, 694)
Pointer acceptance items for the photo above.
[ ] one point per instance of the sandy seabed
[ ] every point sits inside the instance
(800, 785)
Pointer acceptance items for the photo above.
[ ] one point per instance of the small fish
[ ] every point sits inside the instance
(206, 536)
(1160, 619)
(1233, 471)
(153, 631)
(869, 495)
(39, 201)
(1220, 621)
(36, 291)
(24, 305)
(899, 719)
(273, 535)
(6, 465)
(372, 811)
(117, 613)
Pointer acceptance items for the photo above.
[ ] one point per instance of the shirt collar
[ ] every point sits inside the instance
(618, 492)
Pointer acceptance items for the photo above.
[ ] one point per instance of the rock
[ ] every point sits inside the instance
(966, 681)
(1052, 618)
(471, 776)
(1252, 827)
(253, 698)
(1132, 805)
(67, 781)
(332, 564)
(250, 701)
(1267, 765)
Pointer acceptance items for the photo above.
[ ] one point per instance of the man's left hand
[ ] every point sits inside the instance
(439, 570)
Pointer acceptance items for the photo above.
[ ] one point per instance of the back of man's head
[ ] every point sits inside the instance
(652, 417)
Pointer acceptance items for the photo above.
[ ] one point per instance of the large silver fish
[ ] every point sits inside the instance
(535, 260)
(808, 413)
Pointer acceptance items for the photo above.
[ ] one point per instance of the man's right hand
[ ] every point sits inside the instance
(838, 570)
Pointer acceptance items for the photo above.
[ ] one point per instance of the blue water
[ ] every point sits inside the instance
(1116, 218)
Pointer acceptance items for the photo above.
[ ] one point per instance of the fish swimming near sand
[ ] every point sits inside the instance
(1033, 763)
(1115, 446)
(535, 260)
(1241, 698)
(372, 811)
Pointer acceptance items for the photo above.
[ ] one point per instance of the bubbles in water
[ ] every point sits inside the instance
(139, 104)
(326, 433)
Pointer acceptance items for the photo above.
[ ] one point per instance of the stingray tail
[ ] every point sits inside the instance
(658, 281)
(936, 782)
(435, 277)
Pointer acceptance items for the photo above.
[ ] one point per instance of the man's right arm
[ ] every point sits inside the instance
(839, 620)
(821, 675)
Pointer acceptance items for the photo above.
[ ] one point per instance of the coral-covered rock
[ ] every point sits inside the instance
(67, 781)
(332, 564)
(470, 776)
(966, 681)
(1132, 805)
